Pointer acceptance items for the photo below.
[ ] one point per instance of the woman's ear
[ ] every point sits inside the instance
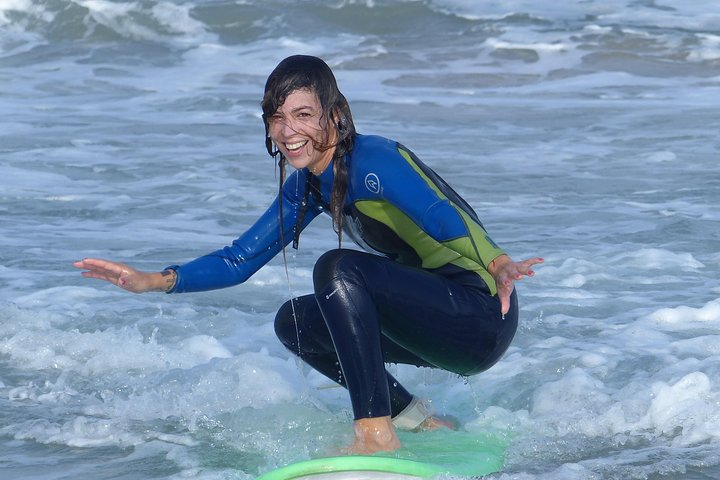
(337, 117)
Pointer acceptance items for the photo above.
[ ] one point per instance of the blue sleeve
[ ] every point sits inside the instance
(417, 191)
(404, 184)
(236, 263)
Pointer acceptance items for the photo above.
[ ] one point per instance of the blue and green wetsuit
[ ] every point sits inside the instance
(420, 293)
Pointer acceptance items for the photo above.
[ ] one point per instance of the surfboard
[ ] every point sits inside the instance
(423, 455)
(355, 467)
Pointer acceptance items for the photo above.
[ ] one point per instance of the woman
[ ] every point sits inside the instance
(431, 288)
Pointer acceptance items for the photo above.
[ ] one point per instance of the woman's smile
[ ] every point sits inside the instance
(295, 146)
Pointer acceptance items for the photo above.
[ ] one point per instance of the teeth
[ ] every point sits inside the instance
(295, 146)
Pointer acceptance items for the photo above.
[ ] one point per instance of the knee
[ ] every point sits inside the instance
(329, 265)
(285, 328)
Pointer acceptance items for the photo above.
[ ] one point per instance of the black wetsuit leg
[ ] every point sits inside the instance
(374, 310)
(302, 329)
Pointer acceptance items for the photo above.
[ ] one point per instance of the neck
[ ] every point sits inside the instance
(322, 165)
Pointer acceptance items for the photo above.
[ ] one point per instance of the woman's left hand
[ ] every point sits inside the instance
(505, 271)
(125, 276)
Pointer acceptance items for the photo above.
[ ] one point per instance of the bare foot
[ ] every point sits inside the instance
(435, 423)
(373, 435)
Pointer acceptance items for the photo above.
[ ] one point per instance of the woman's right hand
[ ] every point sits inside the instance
(125, 276)
(506, 272)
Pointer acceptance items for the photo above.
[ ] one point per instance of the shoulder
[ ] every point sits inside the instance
(373, 158)
(369, 144)
(373, 153)
(379, 166)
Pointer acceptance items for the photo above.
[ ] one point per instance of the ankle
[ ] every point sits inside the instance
(374, 435)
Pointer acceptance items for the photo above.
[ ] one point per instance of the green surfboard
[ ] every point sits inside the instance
(423, 455)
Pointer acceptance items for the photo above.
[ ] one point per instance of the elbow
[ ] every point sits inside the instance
(442, 221)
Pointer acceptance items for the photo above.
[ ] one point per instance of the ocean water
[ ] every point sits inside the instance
(585, 132)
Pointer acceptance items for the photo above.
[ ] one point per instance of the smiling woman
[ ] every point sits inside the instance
(305, 87)
(431, 289)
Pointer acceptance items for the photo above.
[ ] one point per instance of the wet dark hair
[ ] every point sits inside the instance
(307, 72)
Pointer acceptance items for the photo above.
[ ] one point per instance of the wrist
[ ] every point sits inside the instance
(168, 279)
(494, 267)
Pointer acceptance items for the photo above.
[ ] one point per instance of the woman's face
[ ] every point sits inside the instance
(299, 128)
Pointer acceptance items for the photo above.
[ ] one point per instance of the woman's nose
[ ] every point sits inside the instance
(287, 127)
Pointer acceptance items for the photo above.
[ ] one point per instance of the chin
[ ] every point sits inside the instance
(297, 165)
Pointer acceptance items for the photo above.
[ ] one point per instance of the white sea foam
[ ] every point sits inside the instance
(709, 48)
(685, 317)
(26, 6)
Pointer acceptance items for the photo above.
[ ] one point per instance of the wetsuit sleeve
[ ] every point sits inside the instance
(428, 201)
(458, 231)
(237, 262)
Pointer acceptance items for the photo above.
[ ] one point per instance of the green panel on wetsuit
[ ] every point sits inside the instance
(483, 247)
(477, 249)
(485, 250)
(432, 253)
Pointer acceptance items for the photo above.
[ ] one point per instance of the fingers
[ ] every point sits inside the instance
(100, 264)
(504, 303)
(100, 269)
(103, 267)
(510, 273)
(525, 267)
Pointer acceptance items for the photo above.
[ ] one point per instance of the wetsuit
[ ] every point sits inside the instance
(420, 293)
